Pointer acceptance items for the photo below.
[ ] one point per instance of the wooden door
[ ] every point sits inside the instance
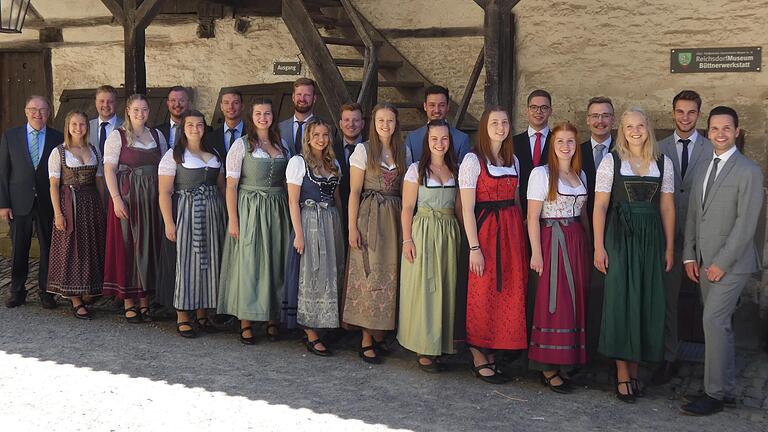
(22, 73)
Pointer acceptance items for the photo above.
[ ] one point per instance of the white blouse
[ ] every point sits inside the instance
(412, 176)
(236, 154)
(469, 171)
(359, 159)
(167, 165)
(114, 144)
(297, 169)
(604, 176)
(569, 200)
(54, 163)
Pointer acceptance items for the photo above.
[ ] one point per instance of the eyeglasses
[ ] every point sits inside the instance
(606, 116)
(539, 108)
(34, 111)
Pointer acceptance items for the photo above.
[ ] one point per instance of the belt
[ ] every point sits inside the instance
(558, 244)
(483, 210)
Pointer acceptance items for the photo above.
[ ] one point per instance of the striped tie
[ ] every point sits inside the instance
(34, 150)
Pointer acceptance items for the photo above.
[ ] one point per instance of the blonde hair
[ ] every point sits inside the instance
(127, 122)
(650, 152)
(328, 161)
(68, 138)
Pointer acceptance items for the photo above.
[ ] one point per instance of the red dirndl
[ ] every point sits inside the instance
(496, 300)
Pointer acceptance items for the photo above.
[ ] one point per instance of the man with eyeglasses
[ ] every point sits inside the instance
(600, 119)
(25, 199)
(177, 103)
(689, 151)
(531, 145)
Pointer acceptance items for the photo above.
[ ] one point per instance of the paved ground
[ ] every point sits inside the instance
(59, 373)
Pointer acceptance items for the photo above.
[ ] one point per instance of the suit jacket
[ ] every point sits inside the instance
(215, 138)
(722, 230)
(415, 142)
(700, 157)
(20, 182)
(93, 134)
(523, 152)
(590, 170)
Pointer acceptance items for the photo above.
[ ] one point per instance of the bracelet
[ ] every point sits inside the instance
(407, 241)
(474, 248)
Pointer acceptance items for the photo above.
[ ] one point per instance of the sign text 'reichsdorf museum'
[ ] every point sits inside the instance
(689, 60)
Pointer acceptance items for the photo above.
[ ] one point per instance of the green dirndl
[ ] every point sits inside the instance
(634, 302)
(428, 285)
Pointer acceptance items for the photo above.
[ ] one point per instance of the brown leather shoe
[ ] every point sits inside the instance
(48, 301)
(15, 300)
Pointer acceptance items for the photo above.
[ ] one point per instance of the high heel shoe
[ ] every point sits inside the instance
(627, 398)
(247, 340)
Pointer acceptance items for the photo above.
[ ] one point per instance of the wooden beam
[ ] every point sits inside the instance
(481, 3)
(147, 11)
(458, 119)
(499, 52)
(116, 8)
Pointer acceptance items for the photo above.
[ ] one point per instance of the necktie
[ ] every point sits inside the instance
(349, 149)
(710, 180)
(684, 158)
(172, 138)
(299, 136)
(597, 154)
(537, 150)
(103, 137)
(232, 137)
(34, 151)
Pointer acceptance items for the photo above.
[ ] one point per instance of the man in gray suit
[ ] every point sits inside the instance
(719, 253)
(436, 104)
(25, 199)
(689, 152)
(106, 121)
(304, 97)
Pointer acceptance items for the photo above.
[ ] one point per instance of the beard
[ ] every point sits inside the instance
(303, 109)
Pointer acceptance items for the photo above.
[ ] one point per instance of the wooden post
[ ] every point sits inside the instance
(499, 52)
(134, 16)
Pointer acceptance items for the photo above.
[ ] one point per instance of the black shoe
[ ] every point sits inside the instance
(728, 401)
(564, 388)
(86, 316)
(189, 334)
(637, 389)
(499, 372)
(703, 406)
(312, 347)
(382, 347)
(432, 367)
(15, 300)
(664, 373)
(627, 398)
(372, 360)
(135, 318)
(491, 379)
(48, 301)
(145, 313)
(247, 340)
(272, 337)
(205, 325)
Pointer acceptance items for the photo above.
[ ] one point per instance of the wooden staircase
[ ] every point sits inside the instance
(341, 47)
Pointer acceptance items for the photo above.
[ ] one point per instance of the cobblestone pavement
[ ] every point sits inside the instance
(59, 373)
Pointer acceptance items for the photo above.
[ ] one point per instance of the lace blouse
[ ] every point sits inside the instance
(54, 163)
(470, 169)
(604, 176)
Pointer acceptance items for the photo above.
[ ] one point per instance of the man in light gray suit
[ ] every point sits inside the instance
(304, 97)
(106, 121)
(719, 253)
(689, 152)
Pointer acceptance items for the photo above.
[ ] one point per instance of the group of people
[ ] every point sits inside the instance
(302, 224)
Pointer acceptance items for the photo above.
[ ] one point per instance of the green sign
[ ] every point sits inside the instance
(699, 60)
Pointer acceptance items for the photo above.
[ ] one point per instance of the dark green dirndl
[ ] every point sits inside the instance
(633, 305)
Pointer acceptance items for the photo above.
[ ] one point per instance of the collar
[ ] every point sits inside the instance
(30, 129)
(356, 141)
(112, 120)
(694, 137)
(238, 127)
(172, 123)
(606, 143)
(725, 156)
(544, 132)
(309, 117)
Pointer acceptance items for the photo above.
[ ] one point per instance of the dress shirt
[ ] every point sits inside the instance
(304, 126)
(723, 159)
(532, 138)
(111, 125)
(40, 142)
(679, 146)
(345, 143)
(172, 135)
(238, 134)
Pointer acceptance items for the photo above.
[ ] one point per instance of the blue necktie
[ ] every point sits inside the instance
(35, 150)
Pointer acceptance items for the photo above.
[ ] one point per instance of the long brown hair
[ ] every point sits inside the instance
(426, 153)
(328, 160)
(375, 146)
(483, 147)
(273, 131)
(552, 163)
(68, 138)
(182, 142)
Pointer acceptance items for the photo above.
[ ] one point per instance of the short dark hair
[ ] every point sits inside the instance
(106, 89)
(304, 81)
(688, 95)
(351, 106)
(598, 100)
(235, 92)
(724, 110)
(436, 89)
(540, 93)
(179, 88)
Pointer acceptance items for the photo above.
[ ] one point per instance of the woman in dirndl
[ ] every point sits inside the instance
(76, 264)
(134, 224)
(431, 239)
(634, 221)
(191, 184)
(557, 193)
